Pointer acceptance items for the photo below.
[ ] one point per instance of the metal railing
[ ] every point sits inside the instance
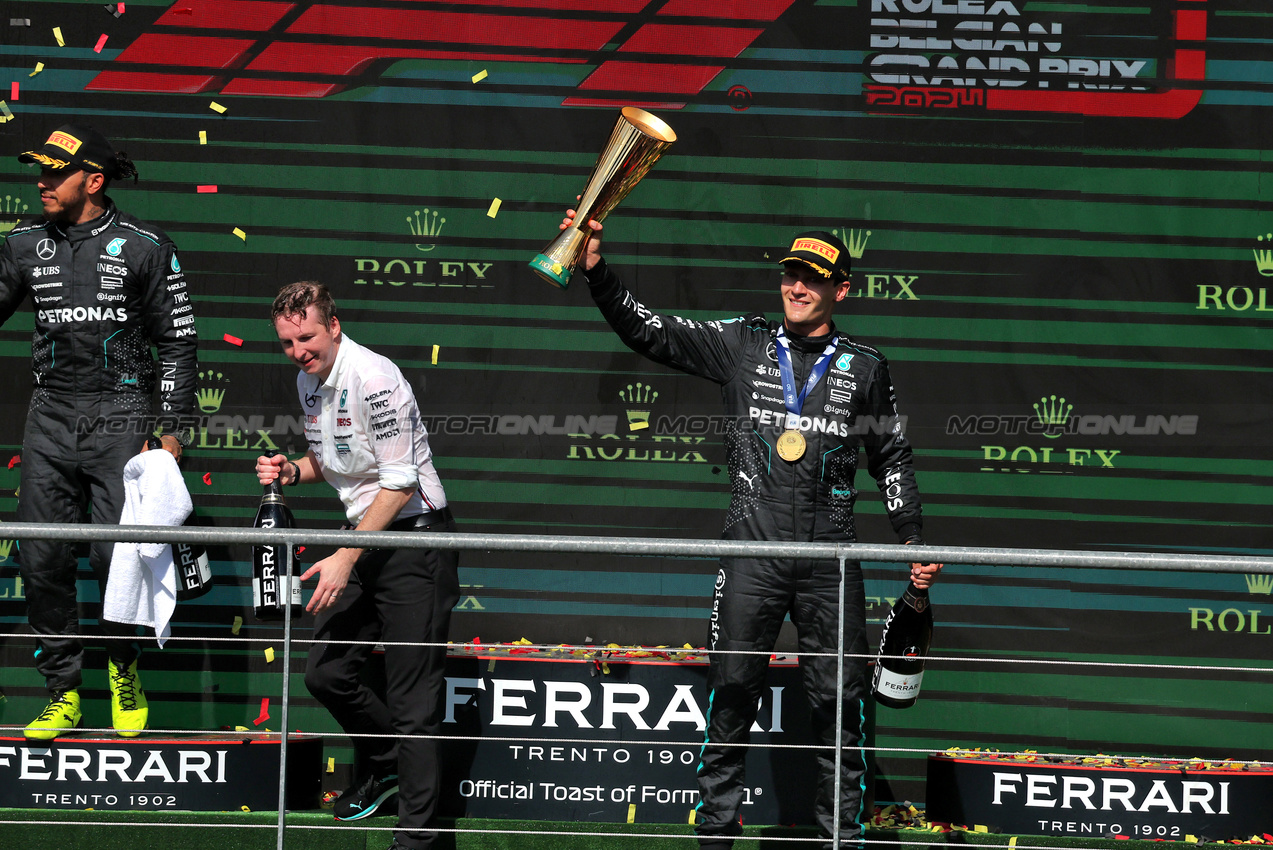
(637, 547)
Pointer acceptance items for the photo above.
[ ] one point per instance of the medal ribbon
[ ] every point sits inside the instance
(795, 402)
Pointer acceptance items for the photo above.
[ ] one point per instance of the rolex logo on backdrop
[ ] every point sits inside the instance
(1259, 584)
(662, 439)
(874, 284)
(12, 209)
(642, 394)
(1241, 298)
(209, 398)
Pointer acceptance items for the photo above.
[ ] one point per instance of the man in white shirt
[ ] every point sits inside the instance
(366, 440)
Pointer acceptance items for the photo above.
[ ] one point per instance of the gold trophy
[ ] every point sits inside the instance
(636, 143)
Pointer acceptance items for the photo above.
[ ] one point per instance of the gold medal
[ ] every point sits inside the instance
(791, 445)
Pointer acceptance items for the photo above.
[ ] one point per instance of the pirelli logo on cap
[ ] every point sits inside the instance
(65, 141)
(817, 246)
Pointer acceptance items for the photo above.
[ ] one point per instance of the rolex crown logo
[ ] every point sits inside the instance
(1255, 583)
(425, 225)
(209, 398)
(11, 206)
(854, 240)
(1264, 256)
(1053, 414)
(638, 393)
(6, 547)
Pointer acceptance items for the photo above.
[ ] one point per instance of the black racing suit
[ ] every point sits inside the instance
(810, 499)
(103, 292)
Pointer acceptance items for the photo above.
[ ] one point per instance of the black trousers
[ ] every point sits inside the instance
(65, 474)
(751, 599)
(392, 595)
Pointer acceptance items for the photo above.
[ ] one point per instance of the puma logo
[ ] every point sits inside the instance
(750, 479)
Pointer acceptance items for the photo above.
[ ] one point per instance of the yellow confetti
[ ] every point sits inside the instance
(269, 655)
(240, 728)
(203, 137)
(631, 812)
(980, 828)
(1012, 842)
(490, 213)
(244, 808)
(238, 624)
(691, 820)
(6, 115)
(216, 107)
(638, 425)
(239, 233)
(39, 66)
(331, 765)
(57, 34)
(1192, 839)
(479, 76)
(435, 355)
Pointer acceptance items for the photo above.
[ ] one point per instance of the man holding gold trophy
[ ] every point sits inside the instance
(803, 397)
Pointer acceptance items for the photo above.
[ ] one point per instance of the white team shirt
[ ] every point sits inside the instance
(364, 427)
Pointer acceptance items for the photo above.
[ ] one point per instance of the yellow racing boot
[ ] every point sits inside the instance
(62, 713)
(129, 709)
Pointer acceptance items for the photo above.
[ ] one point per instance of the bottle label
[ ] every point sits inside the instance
(273, 599)
(897, 685)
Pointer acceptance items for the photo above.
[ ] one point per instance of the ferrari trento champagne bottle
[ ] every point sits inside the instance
(194, 574)
(908, 632)
(270, 563)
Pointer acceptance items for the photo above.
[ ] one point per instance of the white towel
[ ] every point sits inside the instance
(142, 586)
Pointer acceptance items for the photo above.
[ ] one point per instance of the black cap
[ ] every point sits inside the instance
(821, 251)
(75, 146)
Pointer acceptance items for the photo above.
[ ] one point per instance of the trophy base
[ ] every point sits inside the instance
(551, 271)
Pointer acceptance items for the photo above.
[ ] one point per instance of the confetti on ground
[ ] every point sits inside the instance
(269, 655)
(265, 712)
(233, 340)
(101, 42)
(216, 107)
(244, 809)
(114, 9)
(435, 355)
(203, 137)
(13, 461)
(239, 233)
(238, 624)
(207, 478)
(6, 114)
(57, 35)
(479, 76)
(39, 66)
(490, 213)
(206, 189)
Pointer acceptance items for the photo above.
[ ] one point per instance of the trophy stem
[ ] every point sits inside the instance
(558, 261)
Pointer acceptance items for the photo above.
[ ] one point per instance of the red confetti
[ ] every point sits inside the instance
(300, 550)
(121, 8)
(207, 478)
(265, 712)
(16, 459)
(101, 42)
(233, 340)
(206, 190)
(13, 90)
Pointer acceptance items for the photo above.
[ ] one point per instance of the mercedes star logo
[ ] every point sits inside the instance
(45, 249)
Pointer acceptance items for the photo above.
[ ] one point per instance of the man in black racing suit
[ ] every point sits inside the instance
(791, 470)
(104, 286)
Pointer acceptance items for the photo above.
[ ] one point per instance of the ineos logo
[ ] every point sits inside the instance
(45, 249)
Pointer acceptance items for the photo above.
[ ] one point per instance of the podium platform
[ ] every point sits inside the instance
(203, 773)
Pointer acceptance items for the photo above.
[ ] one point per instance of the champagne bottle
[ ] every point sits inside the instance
(270, 564)
(194, 574)
(899, 667)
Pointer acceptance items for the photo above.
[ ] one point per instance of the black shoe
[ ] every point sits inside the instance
(366, 797)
